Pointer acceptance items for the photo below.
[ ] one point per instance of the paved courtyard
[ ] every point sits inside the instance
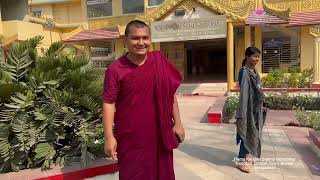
(209, 150)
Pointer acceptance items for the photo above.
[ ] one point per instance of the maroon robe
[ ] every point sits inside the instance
(143, 96)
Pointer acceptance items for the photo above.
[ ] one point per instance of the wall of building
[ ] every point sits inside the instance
(68, 13)
(63, 12)
(84, 14)
(307, 48)
(0, 13)
(22, 30)
(27, 30)
(46, 10)
(42, 2)
(176, 53)
(48, 35)
(110, 21)
(1, 26)
(117, 17)
(119, 47)
(9, 28)
(14, 9)
(117, 8)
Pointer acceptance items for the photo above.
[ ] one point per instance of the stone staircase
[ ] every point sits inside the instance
(202, 88)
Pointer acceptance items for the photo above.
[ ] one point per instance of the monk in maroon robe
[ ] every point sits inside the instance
(139, 98)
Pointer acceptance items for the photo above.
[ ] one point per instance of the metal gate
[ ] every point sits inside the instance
(282, 54)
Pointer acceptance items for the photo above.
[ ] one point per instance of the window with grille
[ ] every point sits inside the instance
(132, 6)
(155, 2)
(102, 55)
(37, 12)
(99, 8)
(281, 50)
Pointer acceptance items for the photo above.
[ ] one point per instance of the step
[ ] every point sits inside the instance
(215, 111)
(202, 88)
(73, 172)
(114, 176)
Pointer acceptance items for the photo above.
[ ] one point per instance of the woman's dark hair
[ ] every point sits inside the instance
(135, 23)
(249, 52)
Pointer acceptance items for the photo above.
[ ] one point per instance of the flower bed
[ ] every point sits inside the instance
(308, 118)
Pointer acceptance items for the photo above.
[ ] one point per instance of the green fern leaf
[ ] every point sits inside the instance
(42, 150)
(12, 106)
(39, 116)
(4, 131)
(18, 101)
(4, 149)
(5, 117)
(52, 82)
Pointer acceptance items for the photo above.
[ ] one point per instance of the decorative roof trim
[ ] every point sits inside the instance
(282, 13)
(236, 13)
(315, 31)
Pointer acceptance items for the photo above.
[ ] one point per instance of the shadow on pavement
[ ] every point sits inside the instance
(216, 156)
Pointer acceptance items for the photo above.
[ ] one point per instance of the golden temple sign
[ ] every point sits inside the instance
(189, 29)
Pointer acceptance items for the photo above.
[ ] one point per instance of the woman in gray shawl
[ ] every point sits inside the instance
(249, 115)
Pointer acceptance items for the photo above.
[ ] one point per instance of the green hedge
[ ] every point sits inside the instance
(294, 79)
(286, 102)
(276, 102)
(308, 118)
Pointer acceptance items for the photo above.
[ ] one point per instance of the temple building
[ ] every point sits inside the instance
(205, 39)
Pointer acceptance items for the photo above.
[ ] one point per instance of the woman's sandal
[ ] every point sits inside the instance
(249, 159)
(243, 168)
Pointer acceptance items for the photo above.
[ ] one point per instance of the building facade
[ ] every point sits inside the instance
(52, 19)
(59, 18)
(205, 39)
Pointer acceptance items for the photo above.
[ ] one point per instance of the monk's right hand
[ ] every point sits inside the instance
(110, 148)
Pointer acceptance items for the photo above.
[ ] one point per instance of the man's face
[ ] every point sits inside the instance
(138, 40)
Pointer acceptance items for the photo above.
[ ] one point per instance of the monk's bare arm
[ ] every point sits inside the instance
(176, 112)
(110, 145)
(177, 128)
(108, 119)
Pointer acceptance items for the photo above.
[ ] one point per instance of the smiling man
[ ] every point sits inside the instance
(139, 98)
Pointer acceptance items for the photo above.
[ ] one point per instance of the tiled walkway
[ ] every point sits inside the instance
(208, 151)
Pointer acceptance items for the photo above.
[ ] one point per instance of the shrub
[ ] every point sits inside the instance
(274, 101)
(285, 102)
(296, 79)
(305, 79)
(230, 107)
(49, 109)
(275, 78)
(308, 118)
